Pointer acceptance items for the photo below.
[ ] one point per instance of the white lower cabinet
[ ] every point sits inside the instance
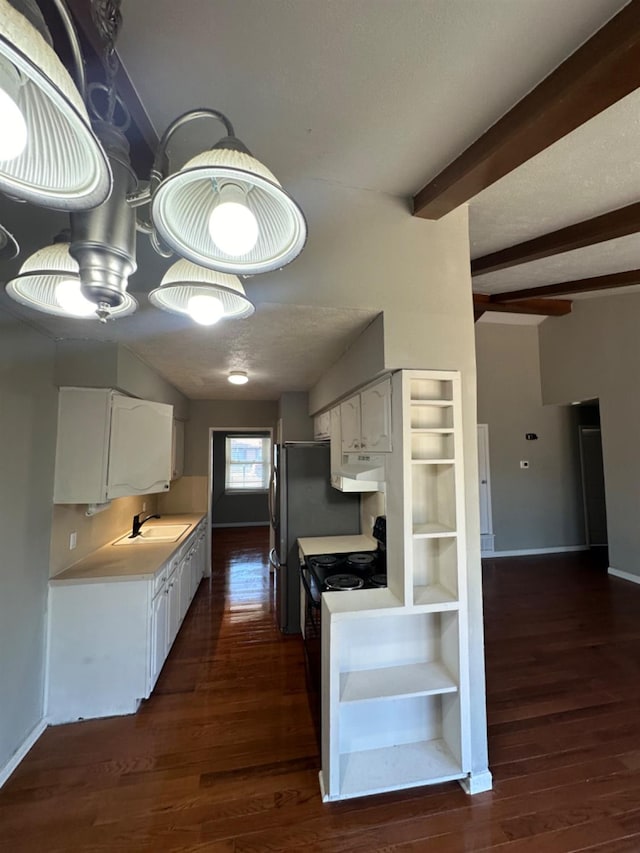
(109, 639)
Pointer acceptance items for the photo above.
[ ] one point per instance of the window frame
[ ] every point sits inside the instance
(265, 461)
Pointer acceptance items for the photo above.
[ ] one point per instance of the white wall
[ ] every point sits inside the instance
(541, 506)
(594, 352)
(28, 418)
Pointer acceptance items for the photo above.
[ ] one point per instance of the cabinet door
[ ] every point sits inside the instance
(177, 450)
(173, 593)
(184, 584)
(376, 417)
(139, 447)
(336, 440)
(322, 426)
(159, 635)
(350, 424)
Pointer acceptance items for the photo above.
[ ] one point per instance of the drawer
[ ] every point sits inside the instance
(160, 579)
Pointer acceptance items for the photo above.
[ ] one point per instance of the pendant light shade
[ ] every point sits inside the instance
(204, 295)
(49, 281)
(192, 211)
(8, 245)
(48, 155)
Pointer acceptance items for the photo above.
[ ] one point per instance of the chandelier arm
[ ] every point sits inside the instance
(139, 198)
(74, 43)
(157, 245)
(160, 161)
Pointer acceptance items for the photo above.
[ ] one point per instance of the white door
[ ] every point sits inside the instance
(375, 414)
(350, 424)
(486, 521)
(158, 635)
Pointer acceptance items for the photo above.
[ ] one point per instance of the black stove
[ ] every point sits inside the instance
(346, 572)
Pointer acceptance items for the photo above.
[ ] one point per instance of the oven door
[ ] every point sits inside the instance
(312, 646)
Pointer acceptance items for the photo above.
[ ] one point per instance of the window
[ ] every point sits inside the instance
(248, 464)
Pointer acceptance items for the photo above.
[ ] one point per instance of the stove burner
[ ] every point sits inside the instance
(360, 559)
(325, 560)
(343, 582)
(378, 580)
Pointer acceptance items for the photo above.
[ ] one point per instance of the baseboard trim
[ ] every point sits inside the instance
(241, 524)
(23, 749)
(625, 576)
(528, 552)
(477, 783)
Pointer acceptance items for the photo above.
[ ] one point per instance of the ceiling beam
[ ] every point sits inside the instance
(607, 226)
(601, 72)
(566, 288)
(544, 307)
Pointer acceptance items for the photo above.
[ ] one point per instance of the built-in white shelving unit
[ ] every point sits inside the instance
(395, 700)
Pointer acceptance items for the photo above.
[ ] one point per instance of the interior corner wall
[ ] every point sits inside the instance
(541, 506)
(28, 420)
(592, 353)
(293, 411)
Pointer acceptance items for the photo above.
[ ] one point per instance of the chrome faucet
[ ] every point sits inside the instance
(137, 524)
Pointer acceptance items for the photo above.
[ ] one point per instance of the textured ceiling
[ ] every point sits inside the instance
(369, 94)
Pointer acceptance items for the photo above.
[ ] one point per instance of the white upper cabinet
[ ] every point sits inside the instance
(109, 446)
(366, 420)
(322, 426)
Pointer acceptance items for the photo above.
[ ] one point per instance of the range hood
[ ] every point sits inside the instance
(359, 473)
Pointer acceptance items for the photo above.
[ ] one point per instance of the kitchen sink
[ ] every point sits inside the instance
(155, 533)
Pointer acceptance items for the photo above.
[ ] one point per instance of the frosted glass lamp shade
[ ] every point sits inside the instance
(44, 284)
(183, 205)
(184, 282)
(62, 165)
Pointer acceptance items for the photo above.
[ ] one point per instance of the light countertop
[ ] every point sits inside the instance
(336, 544)
(136, 561)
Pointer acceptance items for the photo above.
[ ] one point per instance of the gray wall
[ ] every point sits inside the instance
(237, 508)
(541, 506)
(592, 353)
(225, 414)
(28, 420)
(293, 410)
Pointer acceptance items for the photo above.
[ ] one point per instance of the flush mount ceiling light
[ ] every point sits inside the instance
(48, 153)
(8, 245)
(238, 377)
(224, 210)
(204, 295)
(49, 281)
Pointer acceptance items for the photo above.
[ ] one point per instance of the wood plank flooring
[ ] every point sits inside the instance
(223, 757)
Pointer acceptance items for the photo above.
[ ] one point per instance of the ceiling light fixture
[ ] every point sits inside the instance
(9, 248)
(238, 377)
(49, 281)
(223, 210)
(49, 154)
(204, 295)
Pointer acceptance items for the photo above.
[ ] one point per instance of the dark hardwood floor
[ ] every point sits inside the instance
(223, 757)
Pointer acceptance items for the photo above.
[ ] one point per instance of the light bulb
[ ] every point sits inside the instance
(204, 309)
(69, 296)
(13, 136)
(232, 224)
(238, 377)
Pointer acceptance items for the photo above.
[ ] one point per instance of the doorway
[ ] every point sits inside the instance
(593, 491)
(239, 468)
(484, 474)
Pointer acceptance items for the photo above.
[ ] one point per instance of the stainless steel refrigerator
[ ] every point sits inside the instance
(303, 503)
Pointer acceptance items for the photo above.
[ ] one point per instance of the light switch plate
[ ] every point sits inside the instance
(73, 540)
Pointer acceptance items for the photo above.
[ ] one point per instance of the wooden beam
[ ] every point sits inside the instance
(601, 72)
(566, 288)
(607, 226)
(544, 307)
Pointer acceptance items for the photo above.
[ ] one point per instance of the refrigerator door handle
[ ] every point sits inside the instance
(274, 562)
(271, 497)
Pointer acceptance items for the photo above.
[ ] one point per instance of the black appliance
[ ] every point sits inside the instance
(303, 503)
(344, 573)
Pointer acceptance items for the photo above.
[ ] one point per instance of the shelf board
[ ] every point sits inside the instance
(431, 402)
(393, 682)
(360, 602)
(437, 430)
(434, 530)
(433, 461)
(436, 595)
(374, 771)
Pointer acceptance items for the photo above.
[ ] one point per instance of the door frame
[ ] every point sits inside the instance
(487, 537)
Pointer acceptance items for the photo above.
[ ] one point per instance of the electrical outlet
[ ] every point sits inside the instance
(144, 506)
(73, 540)
(524, 463)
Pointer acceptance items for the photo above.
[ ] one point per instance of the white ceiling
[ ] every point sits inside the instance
(371, 94)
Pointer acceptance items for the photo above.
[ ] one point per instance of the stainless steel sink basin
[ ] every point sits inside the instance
(155, 533)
